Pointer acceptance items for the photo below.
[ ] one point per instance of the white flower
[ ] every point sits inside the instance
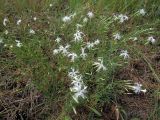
(117, 36)
(64, 50)
(78, 36)
(19, 22)
(89, 45)
(137, 88)
(55, 51)
(73, 73)
(66, 19)
(90, 14)
(80, 93)
(151, 39)
(121, 18)
(73, 56)
(50, 5)
(58, 40)
(142, 12)
(4, 21)
(77, 86)
(99, 65)
(124, 53)
(76, 80)
(31, 31)
(6, 32)
(34, 18)
(19, 44)
(83, 54)
(85, 19)
(97, 42)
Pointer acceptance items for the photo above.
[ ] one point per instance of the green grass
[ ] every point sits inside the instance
(49, 73)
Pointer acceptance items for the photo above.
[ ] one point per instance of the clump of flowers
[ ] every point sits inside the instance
(84, 50)
(84, 53)
(78, 88)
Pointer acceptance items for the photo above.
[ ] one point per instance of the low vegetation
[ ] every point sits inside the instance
(79, 60)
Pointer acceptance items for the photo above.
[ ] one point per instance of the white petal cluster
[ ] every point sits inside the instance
(99, 65)
(142, 12)
(35, 18)
(19, 22)
(91, 45)
(56, 51)
(65, 52)
(117, 36)
(83, 55)
(77, 86)
(18, 43)
(67, 19)
(121, 18)
(137, 88)
(50, 5)
(90, 14)
(64, 49)
(58, 40)
(31, 31)
(151, 39)
(78, 36)
(124, 54)
(73, 56)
